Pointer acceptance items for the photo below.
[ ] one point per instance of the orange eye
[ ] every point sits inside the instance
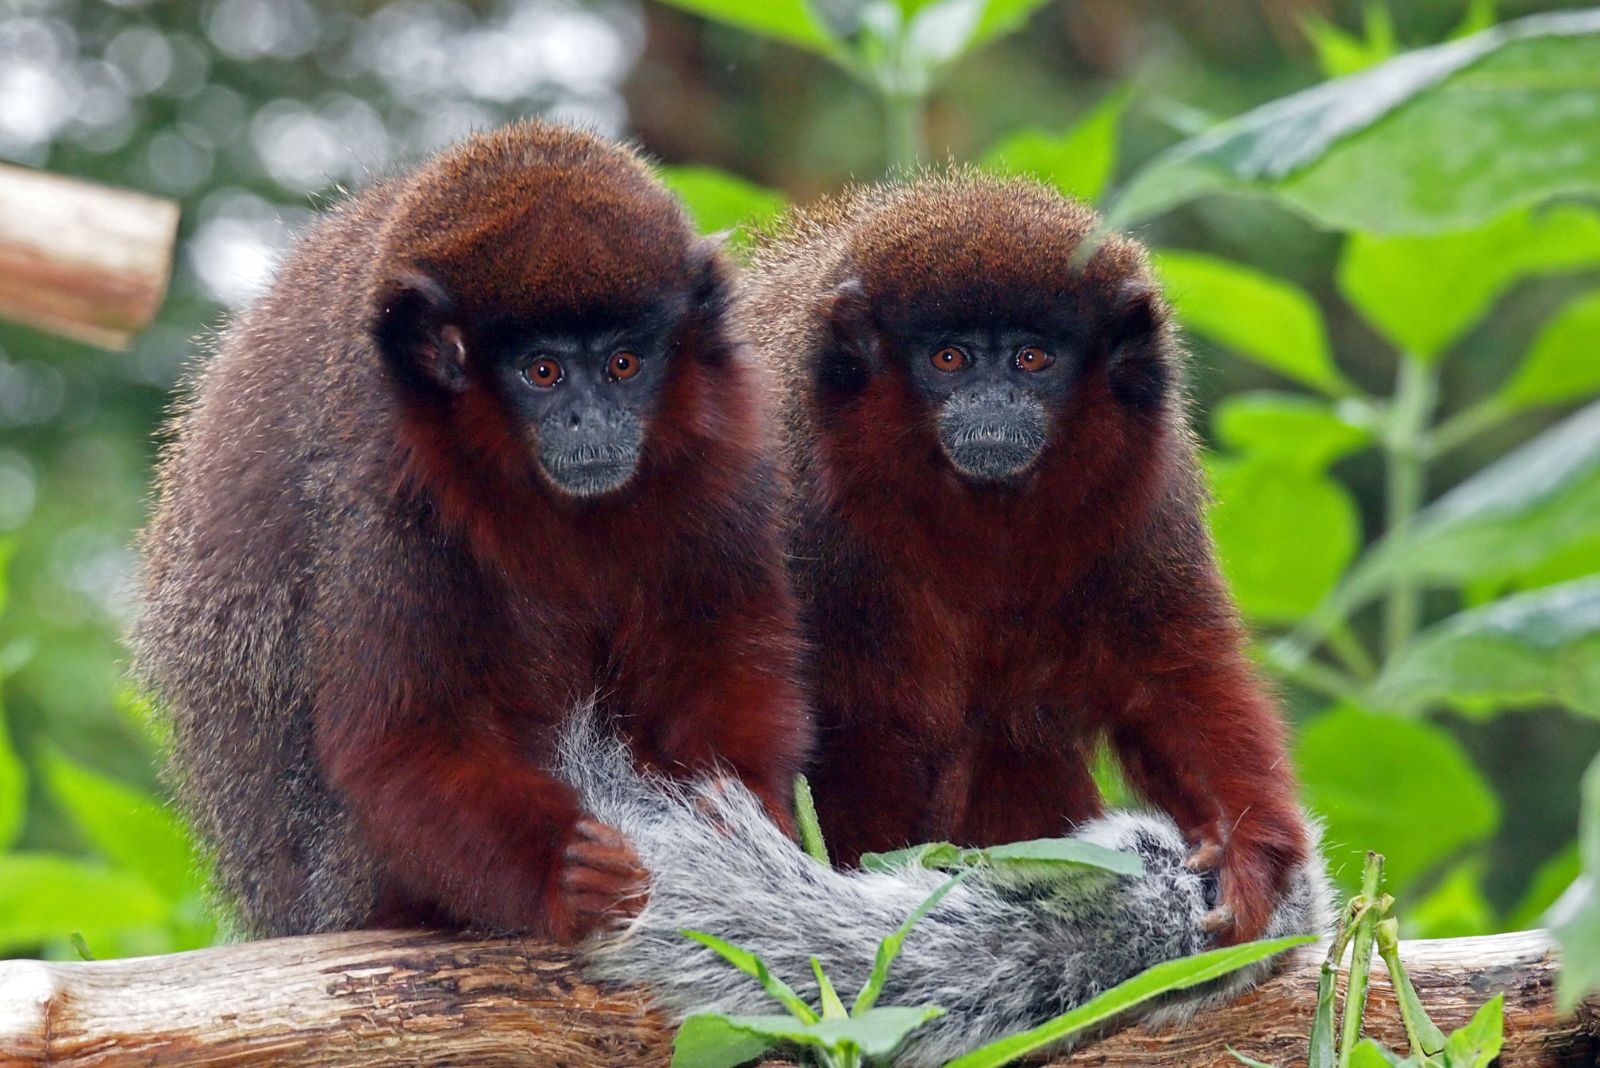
(624, 364)
(951, 358)
(1033, 358)
(543, 373)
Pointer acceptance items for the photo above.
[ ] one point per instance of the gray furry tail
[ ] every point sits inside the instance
(997, 957)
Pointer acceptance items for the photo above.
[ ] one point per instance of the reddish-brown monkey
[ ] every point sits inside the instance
(483, 454)
(998, 540)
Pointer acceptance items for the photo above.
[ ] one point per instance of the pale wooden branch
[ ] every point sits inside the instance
(379, 998)
(83, 260)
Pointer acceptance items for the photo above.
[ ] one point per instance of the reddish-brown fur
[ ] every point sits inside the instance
(368, 611)
(971, 645)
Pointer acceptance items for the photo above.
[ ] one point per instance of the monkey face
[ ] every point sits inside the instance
(586, 399)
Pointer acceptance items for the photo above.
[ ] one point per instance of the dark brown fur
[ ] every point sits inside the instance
(368, 614)
(971, 645)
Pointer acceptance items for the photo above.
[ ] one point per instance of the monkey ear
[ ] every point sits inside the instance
(1140, 368)
(414, 325)
(850, 355)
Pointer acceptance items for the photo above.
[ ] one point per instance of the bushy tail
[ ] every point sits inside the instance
(998, 957)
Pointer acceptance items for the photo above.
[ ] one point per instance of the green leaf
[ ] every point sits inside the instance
(1455, 907)
(126, 825)
(928, 855)
(1293, 429)
(1063, 852)
(1152, 982)
(1340, 52)
(1443, 138)
(1424, 292)
(1479, 1042)
(790, 21)
(721, 201)
(709, 1041)
(1562, 365)
(13, 788)
(45, 897)
(875, 1034)
(1257, 316)
(1576, 919)
(889, 948)
(1284, 534)
(1509, 517)
(827, 996)
(1530, 648)
(755, 967)
(1548, 882)
(805, 818)
(1078, 162)
(1250, 1062)
(1400, 787)
(1368, 1054)
(1001, 17)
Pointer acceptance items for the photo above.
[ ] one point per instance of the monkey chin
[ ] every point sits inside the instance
(586, 474)
(992, 456)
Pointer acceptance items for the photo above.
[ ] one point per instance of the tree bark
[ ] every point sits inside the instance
(83, 260)
(401, 997)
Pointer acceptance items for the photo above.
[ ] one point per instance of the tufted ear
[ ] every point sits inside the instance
(414, 324)
(1140, 369)
(850, 352)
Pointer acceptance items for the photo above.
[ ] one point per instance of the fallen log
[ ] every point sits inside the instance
(377, 998)
(83, 260)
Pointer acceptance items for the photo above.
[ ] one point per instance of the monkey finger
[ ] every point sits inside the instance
(1207, 856)
(623, 864)
(1217, 920)
(588, 830)
(587, 880)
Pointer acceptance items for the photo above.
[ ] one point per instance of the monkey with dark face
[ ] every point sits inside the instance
(485, 452)
(998, 539)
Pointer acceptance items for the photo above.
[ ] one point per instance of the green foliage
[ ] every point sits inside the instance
(1359, 769)
(720, 201)
(1441, 138)
(45, 897)
(1079, 162)
(1577, 917)
(13, 787)
(1561, 364)
(1066, 854)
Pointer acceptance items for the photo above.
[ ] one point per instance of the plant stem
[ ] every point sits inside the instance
(1415, 392)
(1355, 997)
(1313, 675)
(1466, 425)
(903, 112)
(1351, 653)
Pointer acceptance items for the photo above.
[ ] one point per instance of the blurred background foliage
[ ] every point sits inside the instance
(1388, 263)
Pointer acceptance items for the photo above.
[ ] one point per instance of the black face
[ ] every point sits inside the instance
(994, 392)
(587, 398)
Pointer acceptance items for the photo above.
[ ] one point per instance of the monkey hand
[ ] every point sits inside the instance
(773, 801)
(1243, 880)
(599, 883)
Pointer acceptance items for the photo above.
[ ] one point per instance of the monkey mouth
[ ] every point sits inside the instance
(589, 472)
(992, 456)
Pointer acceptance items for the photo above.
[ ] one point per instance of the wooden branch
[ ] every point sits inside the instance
(83, 260)
(376, 998)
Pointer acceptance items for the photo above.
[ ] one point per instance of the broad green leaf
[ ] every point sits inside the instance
(128, 826)
(1293, 429)
(1531, 648)
(756, 968)
(1564, 362)
(827, 996)
(875, 1034)
(721, 201)
(709, 1041)
(1368, 1054)
(1442, 138)
(791, 21)
(1001, 17)
(1509, 517)
(1576, 918)
(1257, 316)
(1152, 982)
(13, 788)
(1064, 852)
(889, 948)
(45, 897)
(1401, 787)
(1284, 534)
(1548, 883)
(1423, 293)
(1479, 1042)
(1454, 908)
(927, 855)
(1079, 162)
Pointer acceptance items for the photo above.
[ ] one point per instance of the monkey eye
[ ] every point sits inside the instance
(543, 373)
(624, 364)
(951, 358)
(1033, 358)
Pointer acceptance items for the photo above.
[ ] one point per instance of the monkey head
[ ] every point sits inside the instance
(540, 293)
(998, 314)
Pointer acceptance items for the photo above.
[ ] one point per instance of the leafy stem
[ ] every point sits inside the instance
(1415, 393)
(1366, 927)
